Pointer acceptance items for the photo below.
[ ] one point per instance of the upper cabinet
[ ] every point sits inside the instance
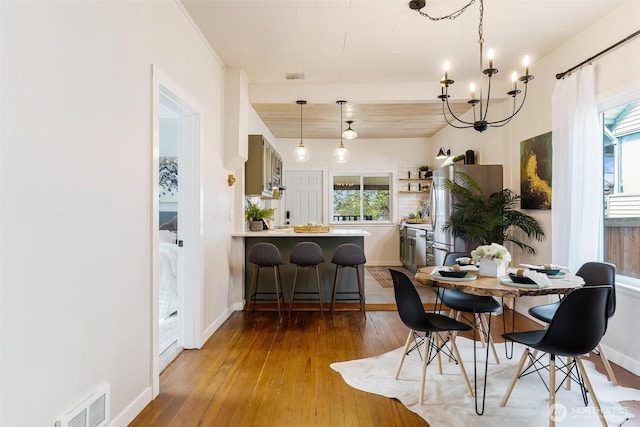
(263, 169)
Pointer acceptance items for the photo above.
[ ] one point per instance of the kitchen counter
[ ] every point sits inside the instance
(422, 226)
(288, 232)
(285, 240)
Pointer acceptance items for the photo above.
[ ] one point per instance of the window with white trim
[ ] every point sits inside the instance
(621, 144)
(361, 197)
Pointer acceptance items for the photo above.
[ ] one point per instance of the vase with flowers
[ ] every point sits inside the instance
(492, 259)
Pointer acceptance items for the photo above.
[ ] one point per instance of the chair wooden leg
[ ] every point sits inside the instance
(293, 290)
(587, 382)
(361, 293)
(525, 353)
(319, 292)
(456, 353)
(404, 353)
(276, 275)
(485, 326)
(456, 315)
(425, 363)
(254, 287)
(552, 390)
(607, 366)
(333, 293)
(438, 343)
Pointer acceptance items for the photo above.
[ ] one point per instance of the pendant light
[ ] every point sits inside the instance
(301, 153)
(349, 133)
(341, 154)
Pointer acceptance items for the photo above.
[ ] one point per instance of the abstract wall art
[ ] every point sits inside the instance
(535, 172)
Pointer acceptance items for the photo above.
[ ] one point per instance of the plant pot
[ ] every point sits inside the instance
(255, 225)
(491, 269)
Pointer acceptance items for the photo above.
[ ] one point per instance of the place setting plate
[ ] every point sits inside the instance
(507, 281)
(467, 278)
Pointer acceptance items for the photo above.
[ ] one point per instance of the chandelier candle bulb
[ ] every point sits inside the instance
(446, 70)
(472, 89)
(490, 58)
(514, 78)
(525, 62)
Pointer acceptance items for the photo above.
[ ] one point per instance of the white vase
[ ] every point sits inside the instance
(491, 269)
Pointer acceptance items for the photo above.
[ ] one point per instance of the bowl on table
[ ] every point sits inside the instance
(521, 279)
(456, 274)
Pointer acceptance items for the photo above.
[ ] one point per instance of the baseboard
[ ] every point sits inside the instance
(206, 334)
(124, 418)
(622, 360)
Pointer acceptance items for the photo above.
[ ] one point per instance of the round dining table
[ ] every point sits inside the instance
(500, 287)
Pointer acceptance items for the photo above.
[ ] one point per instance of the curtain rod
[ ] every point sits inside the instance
(613, 46)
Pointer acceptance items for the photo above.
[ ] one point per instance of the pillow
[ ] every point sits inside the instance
(167, 236)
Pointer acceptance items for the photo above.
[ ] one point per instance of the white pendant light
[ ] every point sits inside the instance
(301, 153)
(349, 133)
(341, 154)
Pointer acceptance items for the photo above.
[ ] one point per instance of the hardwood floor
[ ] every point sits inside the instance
(257, 372)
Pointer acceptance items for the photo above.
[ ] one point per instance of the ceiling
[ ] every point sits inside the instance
(380, 56)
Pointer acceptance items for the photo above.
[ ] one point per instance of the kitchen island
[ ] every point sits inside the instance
(285, 240)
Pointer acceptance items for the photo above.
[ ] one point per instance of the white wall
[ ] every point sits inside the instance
(617, 76)
(76, 198)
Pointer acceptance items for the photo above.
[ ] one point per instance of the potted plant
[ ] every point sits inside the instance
(256, 215)
(423, 171)
(484, 219)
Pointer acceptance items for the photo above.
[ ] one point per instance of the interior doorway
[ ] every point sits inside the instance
(176, 223)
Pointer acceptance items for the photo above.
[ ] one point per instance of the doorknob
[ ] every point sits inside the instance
(180, 243)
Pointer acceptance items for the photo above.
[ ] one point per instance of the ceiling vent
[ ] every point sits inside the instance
(294, 76)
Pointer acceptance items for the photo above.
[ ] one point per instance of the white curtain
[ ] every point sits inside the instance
(577, 201)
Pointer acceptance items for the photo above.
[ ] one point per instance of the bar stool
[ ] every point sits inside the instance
(265, 255)
(348, 255)
(306, 255)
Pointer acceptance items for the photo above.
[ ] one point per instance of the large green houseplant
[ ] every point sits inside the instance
(485, 219)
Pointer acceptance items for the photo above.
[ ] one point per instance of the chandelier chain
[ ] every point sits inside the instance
(453, 15)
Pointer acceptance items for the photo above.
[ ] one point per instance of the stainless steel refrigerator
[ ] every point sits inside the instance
(488, 177)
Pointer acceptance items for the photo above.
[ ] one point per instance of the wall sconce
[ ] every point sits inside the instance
(442, 155)
(231, 179)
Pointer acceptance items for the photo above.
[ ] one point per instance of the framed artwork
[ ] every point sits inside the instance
(168, 179)
(535, 172)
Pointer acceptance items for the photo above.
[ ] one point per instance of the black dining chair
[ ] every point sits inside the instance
(593, 273)
(477, 306)
(413, 315)
(576, 329)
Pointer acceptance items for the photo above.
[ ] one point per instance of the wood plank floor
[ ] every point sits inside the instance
(257, 372)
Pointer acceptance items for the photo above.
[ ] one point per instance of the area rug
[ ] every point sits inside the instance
(383, 277)
(447, 402)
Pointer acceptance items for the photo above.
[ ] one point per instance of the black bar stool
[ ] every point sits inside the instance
(265, 255)
(306, 255)
(348, 255)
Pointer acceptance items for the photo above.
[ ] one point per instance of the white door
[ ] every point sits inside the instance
(303, 197)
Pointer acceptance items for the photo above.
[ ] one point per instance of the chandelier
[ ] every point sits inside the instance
(301, 153)
(479, 104)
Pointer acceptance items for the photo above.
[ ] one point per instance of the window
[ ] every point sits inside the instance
(361, 197)
(621, 136)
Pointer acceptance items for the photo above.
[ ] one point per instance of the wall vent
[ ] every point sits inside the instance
(92, 412)
(294, 76)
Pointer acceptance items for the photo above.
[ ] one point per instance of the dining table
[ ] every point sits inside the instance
(500, 287)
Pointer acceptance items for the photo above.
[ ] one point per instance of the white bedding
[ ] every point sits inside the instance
(168, 290)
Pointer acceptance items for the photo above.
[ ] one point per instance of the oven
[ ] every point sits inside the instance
(430, 259)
